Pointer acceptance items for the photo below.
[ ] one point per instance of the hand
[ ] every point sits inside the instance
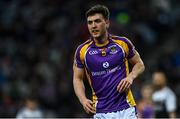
(88, 106)
(125, 84)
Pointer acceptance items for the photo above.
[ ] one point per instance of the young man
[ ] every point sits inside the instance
(104, 58)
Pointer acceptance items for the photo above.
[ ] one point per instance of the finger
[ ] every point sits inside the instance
(89, 109)
(120, 86)
(85, 108)
(126, 86)
(90, 106)
(92, 111)
(90, 102)
(129, 84)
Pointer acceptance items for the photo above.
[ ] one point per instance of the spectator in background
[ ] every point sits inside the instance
(163, 97)
(30, 110)
(145, 106)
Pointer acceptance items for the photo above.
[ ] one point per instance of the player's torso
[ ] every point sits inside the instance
(100, 61)
(105, 66)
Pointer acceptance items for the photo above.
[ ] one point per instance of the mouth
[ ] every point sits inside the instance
(95, 31)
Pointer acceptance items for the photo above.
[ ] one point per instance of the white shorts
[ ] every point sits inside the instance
(129, 113)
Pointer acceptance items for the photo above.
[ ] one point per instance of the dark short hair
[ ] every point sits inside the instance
(101, 9)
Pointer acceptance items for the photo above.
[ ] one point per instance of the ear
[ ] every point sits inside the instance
(107, 23)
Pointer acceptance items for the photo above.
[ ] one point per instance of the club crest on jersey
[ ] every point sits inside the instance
(113, 50)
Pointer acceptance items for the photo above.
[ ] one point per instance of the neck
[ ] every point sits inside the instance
(103, 39)
(159, 87)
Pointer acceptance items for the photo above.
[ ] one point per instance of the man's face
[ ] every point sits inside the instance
(159, 80)
(97, 25)
(31, 104)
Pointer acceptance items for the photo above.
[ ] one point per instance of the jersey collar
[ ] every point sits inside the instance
(101, 45)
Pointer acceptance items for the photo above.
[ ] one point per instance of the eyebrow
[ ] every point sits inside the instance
(94, 20)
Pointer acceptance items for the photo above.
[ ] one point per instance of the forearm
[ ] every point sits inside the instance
(79, 89)
(125, 83)
(137, 69)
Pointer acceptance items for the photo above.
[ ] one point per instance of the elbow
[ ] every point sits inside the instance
(142, 66)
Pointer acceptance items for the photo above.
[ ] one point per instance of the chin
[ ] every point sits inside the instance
(96, 36)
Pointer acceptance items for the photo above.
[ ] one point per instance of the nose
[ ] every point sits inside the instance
(93, 24)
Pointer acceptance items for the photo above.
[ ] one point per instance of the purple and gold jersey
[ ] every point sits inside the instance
(105, 67)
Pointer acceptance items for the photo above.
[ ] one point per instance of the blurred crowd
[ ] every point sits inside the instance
(39, 38)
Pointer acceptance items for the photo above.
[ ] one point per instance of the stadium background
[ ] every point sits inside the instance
(39, 38)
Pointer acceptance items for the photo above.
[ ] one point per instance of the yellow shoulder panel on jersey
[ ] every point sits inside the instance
(83, 51)
(123, 45)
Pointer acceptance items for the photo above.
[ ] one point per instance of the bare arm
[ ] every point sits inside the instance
(80, 89)
(78, 83)
(138, 68)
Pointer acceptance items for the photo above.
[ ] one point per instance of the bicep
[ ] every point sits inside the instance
(78, 73)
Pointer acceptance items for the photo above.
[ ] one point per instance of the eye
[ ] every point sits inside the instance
(89, 22)
(98, 20)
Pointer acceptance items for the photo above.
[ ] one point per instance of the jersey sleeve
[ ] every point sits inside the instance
(131, 49)
(77, 59)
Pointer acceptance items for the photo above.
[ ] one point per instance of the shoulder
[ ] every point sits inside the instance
(21, 112)
(121, 39)
(169, 91)
(86, 43)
